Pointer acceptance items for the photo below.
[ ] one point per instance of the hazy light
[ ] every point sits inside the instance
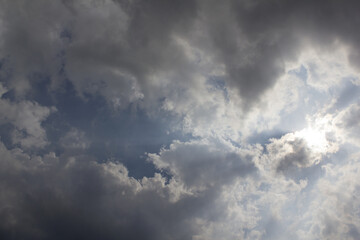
(314, 138)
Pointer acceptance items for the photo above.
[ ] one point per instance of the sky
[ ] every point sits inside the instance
(180, 120)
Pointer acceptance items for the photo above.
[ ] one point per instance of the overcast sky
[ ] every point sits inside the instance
(179, 119)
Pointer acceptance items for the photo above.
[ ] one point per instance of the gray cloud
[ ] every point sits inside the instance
(26, 117)
(298, 157)
(287, 154)
(201, 165)
(259, 37)
(131, 43)
(74, 197)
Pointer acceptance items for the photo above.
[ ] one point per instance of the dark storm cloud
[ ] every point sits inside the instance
(132, 43)
(73, 197)
(111, 48)
(115, 48)
(263, 35)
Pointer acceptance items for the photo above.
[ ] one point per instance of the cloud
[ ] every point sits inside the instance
(50, 197)
(26, 117)
(333, 213)
(326, 70)
(131, 51)
(74, 139)
(131, 55)
(202, 164)
(30, 42)
(347, 121)
(73, 196)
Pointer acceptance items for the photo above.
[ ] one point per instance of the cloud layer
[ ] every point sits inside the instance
(186, 119)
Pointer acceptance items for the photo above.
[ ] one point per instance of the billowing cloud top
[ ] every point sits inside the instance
(182, 119)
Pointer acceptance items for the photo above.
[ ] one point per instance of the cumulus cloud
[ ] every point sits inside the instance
(50, 197)
(201, 164)
(26, 117)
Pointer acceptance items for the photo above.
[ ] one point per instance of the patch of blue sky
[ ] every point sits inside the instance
(6, 71)
(217, 83)
(6, 134)
(66, 35)
(348, 93)
(264, 137)
(312, 99)
(300, 72)
(121, 135)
